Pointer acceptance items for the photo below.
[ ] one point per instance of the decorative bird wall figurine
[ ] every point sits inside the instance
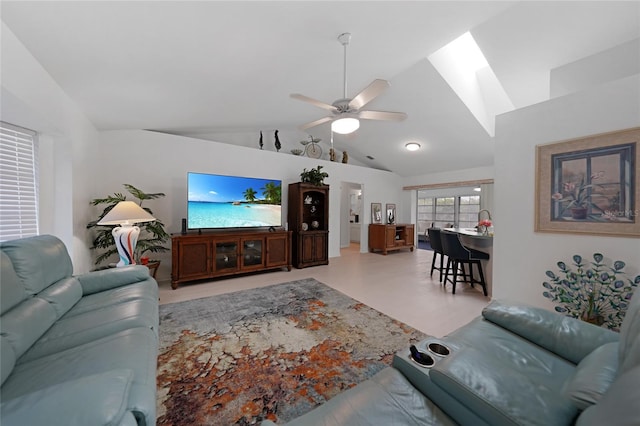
(278, 144)
(261, 142)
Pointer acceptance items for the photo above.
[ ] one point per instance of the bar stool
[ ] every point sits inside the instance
(459, 256)
(436, 245)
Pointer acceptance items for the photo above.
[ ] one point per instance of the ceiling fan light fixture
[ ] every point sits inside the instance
(412, 146)
(345, 125)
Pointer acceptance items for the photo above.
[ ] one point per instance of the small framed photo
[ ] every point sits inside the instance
(391, 214)
(376, 212)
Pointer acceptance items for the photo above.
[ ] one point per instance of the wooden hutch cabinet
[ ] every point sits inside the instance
(208, 255)
(390, 237)
(308, 219)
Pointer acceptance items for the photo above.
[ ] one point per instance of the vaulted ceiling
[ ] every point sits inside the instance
(224, 70)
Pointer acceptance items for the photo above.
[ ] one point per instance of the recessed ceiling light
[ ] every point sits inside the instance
(412, 146)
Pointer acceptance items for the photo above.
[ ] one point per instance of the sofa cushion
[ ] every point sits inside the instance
(62, 295)
(39, 261)
(618, 406)
(7, 358)
(519, 387)
(134, 349)
(147, 290)
(23, 325)
(76, 330)
(11, 288)
(593, 376)
(99, 399)
(571, 339)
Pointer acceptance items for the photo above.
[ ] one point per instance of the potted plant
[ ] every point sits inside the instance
(483, 226)
(576, 197)
(593, 292)
(314, 176)
(152, 234)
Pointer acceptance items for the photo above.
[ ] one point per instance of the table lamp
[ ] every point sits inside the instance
(126, 214)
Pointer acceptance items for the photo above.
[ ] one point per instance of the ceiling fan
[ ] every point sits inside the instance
(347, 111)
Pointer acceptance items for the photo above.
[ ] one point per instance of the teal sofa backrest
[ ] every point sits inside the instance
(11, 289)
(36, 288)
(11, 294)
(39, 261)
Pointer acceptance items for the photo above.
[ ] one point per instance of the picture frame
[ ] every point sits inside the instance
(390, 216)
(589, 185)
(376, 212)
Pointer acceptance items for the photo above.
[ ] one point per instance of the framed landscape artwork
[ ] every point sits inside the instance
(589, 185)
(376, 212)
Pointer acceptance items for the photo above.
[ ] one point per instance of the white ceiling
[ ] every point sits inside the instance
(224, 70)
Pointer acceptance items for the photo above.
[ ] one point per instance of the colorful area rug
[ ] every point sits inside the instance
(272, 353)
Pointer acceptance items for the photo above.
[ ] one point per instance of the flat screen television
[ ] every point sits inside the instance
(219, 201)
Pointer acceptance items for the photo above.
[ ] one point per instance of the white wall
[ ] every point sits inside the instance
(522, 256)
(157, 162)
(596, 69)
(32, 99)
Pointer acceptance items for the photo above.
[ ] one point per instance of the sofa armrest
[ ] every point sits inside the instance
(99, 399)
(619, 405)
(567, 337)
(106, 279)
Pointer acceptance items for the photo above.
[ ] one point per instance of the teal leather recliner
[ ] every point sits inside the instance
(514, 365)
(75, 350)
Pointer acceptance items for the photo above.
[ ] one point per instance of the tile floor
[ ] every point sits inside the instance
(397, 284)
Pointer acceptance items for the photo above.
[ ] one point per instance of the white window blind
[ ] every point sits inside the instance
(18, 182)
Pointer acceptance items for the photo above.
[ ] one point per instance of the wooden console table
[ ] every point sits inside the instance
(386, 238)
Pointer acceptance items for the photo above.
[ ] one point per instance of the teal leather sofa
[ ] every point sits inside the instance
(75, 350)
(514, 365)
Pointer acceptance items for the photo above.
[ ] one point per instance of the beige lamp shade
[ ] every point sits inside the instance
(126, 213)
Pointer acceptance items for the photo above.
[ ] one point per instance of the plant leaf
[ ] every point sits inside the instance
(141, 195)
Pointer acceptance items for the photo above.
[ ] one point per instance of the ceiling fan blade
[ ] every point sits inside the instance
(369, 93)
(312, 101)
(382, 115)
(315, 123)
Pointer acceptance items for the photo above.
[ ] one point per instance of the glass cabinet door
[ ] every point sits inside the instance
(252, 252)
(226, 255)
(313, 211)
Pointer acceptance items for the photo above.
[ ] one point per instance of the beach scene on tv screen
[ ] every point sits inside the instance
(217, 201)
